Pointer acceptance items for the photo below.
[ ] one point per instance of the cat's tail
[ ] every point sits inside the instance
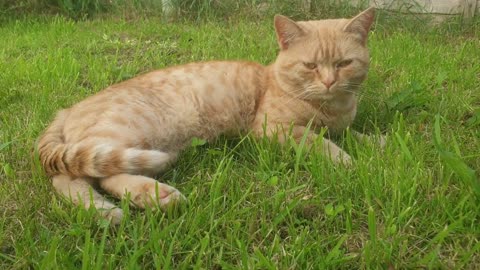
(94, 160)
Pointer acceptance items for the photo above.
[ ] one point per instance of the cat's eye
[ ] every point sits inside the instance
(310, 65)
(343, 63)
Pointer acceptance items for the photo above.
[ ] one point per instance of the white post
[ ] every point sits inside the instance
(469, 8)
(167, 8)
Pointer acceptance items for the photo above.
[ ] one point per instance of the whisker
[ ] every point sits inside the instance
(294, 97)
(310, 91)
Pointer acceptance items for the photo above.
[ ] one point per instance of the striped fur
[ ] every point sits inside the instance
(94, 160)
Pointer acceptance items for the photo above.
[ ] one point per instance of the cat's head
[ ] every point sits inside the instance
(320, 60)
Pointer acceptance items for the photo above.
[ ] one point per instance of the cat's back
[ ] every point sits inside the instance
(203, 78)
(199, 80)
(231, 75)
(211, 97)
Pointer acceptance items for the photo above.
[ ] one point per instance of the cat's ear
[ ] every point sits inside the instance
(360, 24)
(287, 31)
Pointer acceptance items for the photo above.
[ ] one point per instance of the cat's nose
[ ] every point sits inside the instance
(327, 77)
(328, 82)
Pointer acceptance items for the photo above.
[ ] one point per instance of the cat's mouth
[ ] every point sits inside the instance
(326, 95)
(319, 98)
(321, 95)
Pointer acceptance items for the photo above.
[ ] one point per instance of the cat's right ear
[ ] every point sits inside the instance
(287, 31)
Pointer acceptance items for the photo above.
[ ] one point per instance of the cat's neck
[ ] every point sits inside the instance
(273, 84)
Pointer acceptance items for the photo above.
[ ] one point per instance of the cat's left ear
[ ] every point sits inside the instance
(360, 24)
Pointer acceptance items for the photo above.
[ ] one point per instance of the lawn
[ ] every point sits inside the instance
(252, 204)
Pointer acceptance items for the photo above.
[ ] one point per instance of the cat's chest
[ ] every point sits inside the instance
(338, 116)
(281, 110)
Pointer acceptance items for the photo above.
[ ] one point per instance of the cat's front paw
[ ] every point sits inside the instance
(382, 141)
(342, 158)
(336, 154)
(346, 160)
(375, 140)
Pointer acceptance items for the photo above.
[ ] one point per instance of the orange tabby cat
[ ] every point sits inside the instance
(135, 129)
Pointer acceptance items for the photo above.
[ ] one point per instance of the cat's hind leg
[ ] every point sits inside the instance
(141, 190)
(80, 192)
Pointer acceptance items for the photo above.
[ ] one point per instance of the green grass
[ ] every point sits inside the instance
(252, 204)
(172, 9)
